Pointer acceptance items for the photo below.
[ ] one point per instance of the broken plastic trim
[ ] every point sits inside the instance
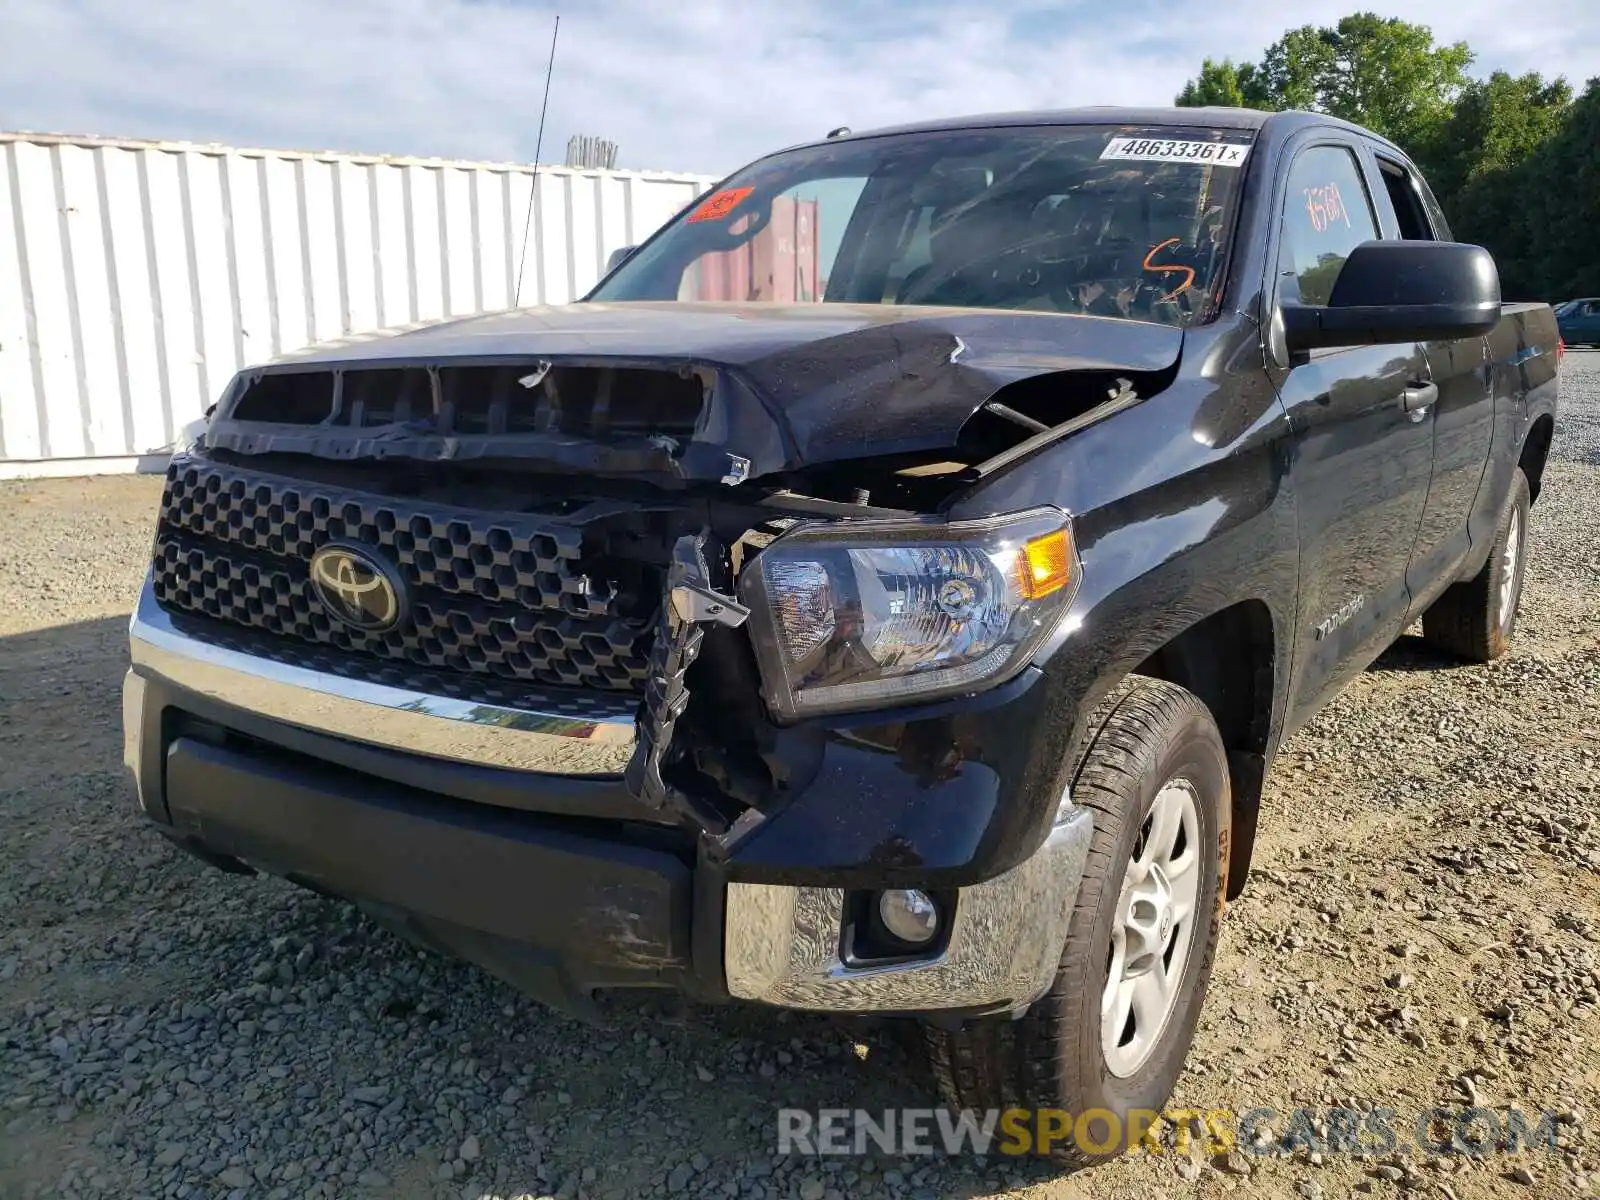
(691, 602)
(1122, 396)
(443, 412)
(659, 459)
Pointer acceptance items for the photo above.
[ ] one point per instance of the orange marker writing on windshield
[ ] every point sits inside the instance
(1170, 267)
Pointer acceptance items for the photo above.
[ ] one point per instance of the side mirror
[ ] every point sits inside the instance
(1390, 292)
(618, 257)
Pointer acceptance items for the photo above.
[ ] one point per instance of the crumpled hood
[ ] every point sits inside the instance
(795, 385)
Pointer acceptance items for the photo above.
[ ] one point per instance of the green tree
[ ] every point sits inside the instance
(1224, 84)
(1560, 186)
(1295, 69)
(1482, 163)
(1380, 72)
(1388, 75)
(1513, 159)
(1497, 124)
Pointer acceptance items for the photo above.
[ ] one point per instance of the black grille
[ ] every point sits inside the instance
(499, 594)
(588, 704)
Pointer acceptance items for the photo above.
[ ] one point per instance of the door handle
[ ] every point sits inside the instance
(1418, 398)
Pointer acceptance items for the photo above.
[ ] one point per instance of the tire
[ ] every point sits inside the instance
(1150, 738)
(1475, 619)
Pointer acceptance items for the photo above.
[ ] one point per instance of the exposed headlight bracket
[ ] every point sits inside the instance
(691, 602)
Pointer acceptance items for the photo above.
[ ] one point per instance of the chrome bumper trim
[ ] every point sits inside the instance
(133, 689)
(783, 944)
(397, 718)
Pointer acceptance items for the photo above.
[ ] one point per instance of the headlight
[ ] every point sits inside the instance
(867, 613)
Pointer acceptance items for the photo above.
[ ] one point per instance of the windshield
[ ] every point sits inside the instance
(1107, 220)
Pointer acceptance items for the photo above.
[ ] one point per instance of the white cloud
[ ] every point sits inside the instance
(693, 85)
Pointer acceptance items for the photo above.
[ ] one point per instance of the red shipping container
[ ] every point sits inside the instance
(777, 266)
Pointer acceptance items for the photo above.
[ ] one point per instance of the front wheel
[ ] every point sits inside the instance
(1110, 1036)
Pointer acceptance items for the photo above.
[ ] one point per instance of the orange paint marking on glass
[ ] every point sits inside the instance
(718, 206)
(1169, 268)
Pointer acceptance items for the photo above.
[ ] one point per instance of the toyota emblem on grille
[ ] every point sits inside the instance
(358, 588)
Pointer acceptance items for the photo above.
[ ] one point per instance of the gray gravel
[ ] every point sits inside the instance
(1423, 930)
(1578, 426)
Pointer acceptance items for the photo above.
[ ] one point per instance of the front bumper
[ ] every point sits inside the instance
(784, 944)
(507, 837)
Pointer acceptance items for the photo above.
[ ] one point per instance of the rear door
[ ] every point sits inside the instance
(1462, 413)
(1361, 460)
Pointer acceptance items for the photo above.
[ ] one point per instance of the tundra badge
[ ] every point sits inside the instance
(1340, 615)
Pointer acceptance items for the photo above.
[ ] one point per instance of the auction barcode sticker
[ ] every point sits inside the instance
(1215, 154)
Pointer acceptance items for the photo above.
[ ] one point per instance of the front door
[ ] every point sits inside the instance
(1363, 438)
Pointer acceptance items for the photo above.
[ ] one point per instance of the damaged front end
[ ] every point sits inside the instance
(608, 420)
(580, 528)
(689, 605)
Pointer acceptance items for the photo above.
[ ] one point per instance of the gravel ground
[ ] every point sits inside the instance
(1422, 930)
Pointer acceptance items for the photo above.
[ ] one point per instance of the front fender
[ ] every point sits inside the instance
(1182, 510)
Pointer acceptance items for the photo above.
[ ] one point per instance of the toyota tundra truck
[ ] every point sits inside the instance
(884, 593)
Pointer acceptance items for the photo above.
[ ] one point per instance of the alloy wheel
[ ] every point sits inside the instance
(1154, 929)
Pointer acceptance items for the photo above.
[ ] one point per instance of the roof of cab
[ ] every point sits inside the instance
(1219, 118)
(1248, 119)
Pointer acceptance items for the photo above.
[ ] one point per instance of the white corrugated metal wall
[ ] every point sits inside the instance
(137, 277)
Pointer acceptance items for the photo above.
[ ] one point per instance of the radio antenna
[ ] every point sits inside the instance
(538, 147)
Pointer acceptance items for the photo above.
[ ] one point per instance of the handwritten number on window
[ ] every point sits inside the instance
(1325, 207)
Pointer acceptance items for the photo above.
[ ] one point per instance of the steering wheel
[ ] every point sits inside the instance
(1112, 265)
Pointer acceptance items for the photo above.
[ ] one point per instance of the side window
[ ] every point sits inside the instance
(1406, 199)
(1326, 215)
(1441, 227)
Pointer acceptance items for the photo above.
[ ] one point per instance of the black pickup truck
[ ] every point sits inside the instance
(884, 593)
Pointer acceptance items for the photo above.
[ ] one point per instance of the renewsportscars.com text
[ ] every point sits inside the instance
(1475, 1131)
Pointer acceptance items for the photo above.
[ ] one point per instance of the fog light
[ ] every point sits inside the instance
(909, 915)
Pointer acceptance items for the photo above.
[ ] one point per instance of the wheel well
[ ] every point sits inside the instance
(1535, 451)
(1227, 661)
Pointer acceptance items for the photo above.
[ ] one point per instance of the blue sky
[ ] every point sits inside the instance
(693, 85)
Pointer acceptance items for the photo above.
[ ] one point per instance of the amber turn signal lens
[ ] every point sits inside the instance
(1046, 565)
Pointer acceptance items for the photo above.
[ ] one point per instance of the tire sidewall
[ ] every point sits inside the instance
(1500, 629)
(1195, 753)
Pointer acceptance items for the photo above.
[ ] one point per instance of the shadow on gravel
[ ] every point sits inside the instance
(61, 702)
(1411, 653)
(100, 645)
